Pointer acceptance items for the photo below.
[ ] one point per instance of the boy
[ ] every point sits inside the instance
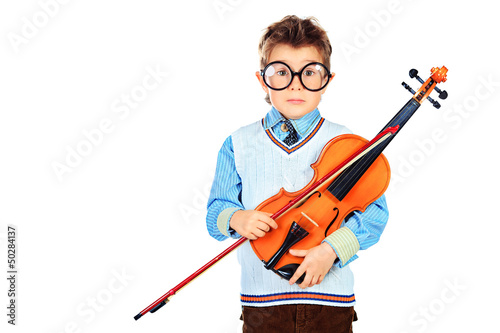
(258, 159)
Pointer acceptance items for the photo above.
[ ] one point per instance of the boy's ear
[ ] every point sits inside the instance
(331, 78)
(261, 81)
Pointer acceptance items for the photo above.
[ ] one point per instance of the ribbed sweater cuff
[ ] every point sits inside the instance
(344, 243)
(223, 222)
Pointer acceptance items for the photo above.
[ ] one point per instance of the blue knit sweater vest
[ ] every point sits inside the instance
(265, 165)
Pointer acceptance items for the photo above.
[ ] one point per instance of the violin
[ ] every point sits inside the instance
(349, 174)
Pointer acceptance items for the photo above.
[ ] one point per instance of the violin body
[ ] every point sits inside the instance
(323, 208)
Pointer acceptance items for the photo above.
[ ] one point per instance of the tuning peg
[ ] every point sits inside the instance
(442, 93)
(408, 88)
(413, 73)
(434, 103)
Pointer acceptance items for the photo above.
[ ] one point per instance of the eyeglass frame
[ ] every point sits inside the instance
(299, 74)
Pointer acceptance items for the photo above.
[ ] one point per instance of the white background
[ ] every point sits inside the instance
(108, 236)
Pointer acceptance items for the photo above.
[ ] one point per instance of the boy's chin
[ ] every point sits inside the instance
(295, 111)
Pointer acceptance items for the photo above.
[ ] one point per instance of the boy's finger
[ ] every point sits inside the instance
(306, 283)
(298, 253)
(251, 236)
(272, 223)
(297, 275)
(259, 233)
(264, 226)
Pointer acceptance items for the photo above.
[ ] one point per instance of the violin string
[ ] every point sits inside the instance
(350, 177)
(358, 171)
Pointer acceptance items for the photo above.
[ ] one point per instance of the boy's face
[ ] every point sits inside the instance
(295, 101)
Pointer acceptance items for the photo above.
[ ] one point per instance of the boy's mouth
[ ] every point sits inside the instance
(295, 101)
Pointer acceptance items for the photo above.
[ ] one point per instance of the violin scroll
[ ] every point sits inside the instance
(439, 74)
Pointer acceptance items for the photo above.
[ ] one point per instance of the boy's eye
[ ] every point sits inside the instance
(308, 72)
(282, 72)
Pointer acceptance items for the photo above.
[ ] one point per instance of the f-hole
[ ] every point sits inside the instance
(319, 196)
(331, 223)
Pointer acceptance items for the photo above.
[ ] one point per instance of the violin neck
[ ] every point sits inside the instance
(341, 186)
(403, 115)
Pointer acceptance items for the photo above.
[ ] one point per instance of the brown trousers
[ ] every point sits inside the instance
(298, 318)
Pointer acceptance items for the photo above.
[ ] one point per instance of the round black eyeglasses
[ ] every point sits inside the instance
(278, 76)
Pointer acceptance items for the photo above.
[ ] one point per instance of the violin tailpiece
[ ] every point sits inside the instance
(288, 271)
(295, 234)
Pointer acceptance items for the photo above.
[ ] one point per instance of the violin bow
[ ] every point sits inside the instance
(381, 137)
(438, 75)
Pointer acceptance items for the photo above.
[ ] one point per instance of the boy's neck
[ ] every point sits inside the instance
(302, 125)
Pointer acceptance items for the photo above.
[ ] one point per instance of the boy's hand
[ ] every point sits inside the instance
(317, 262)
(252, 224)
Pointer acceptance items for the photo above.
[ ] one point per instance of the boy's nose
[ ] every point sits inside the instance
(296, 84)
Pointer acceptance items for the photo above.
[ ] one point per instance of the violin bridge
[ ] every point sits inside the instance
(310, 219)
